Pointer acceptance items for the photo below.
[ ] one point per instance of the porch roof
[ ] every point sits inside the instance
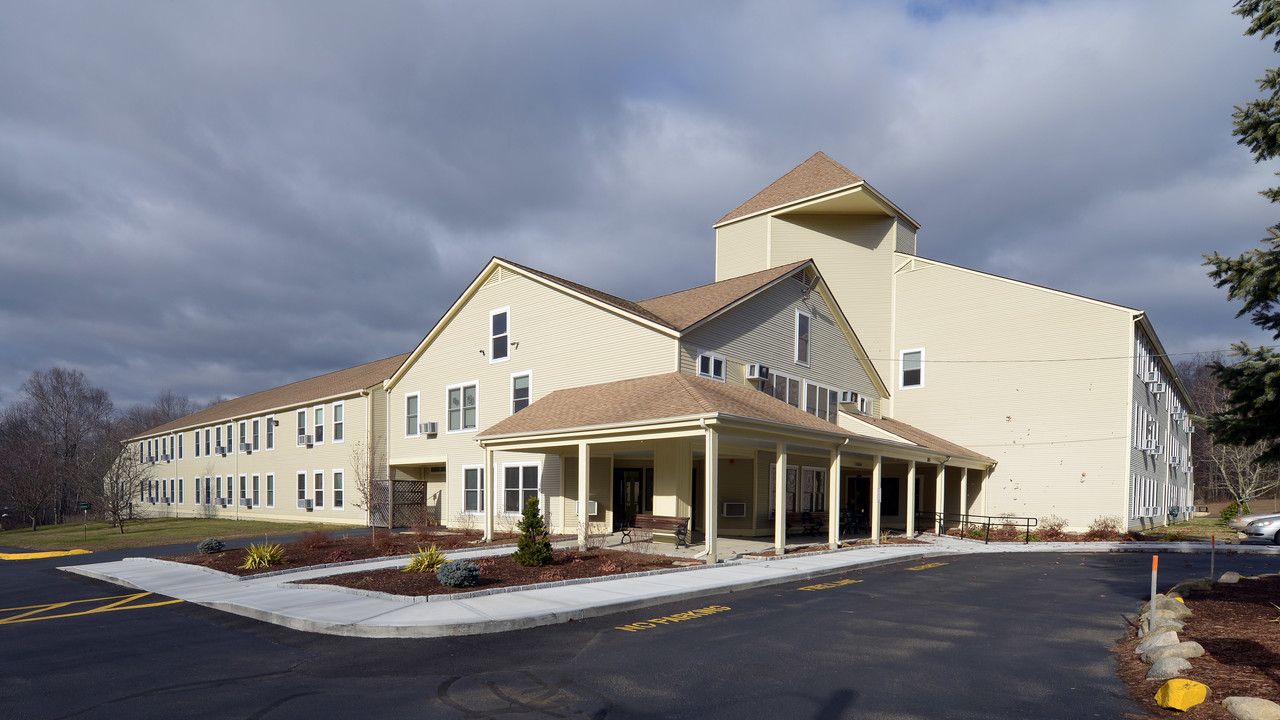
(678, 396)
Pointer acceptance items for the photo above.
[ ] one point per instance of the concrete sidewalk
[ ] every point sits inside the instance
(340, 611)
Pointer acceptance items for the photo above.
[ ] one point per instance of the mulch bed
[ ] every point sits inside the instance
(1234, 623)
(319, 548)
(501, 571)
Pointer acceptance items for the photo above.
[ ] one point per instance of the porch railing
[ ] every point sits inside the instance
(984, 523)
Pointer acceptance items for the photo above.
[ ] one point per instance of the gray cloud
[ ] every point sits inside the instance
(222, 198)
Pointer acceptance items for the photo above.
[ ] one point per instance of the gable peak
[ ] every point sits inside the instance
(814, 176)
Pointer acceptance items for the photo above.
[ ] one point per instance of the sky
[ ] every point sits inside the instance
(220, 198)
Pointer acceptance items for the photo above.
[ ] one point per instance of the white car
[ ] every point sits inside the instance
(1264, 528)
(1239, 522)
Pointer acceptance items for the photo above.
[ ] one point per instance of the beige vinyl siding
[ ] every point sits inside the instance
(744, 249)
(763, 330)
(1174, 441)
(855, 256)
(1058, 430)
(563, 341)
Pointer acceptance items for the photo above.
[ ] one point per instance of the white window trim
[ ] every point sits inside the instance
(902, 357)
(455, 386)
(332, 490)
(724, 366)
(507, 357)
(243, 438)
(404, 414)
(255, 438)
(333, 414)
(302, 431)
(255, 488)
(311, 415)
(526, 373)
(796, 331)
(270, 423)
(311, 482)
(483, 488)
(269, 489)
(498, 508)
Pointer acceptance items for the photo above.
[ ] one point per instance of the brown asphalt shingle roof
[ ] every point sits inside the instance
(681, 310)
(604, 297)
(303, 391)
(816, 175)
(675, 395)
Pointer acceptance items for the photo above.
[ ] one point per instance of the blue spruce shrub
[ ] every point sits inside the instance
(208, 546)
(458, 573)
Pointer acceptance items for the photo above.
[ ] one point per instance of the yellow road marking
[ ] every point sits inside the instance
(926, 566)
(830, 585)
(34, 612)
(674, 618)
(41, 555)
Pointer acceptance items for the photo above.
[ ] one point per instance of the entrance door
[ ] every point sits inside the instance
(628, 495)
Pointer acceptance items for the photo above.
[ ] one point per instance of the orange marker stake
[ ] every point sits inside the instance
(1151, 608)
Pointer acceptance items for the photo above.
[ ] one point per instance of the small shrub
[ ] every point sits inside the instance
(337, 556)
(458, 573)
(1034, 537)
(315, 540)
(533, 549)
(427, 559)
(1175, 536)
(1051, 527)
(1231, 511)
(264, 555)
(975, 532)
(1104, 527)
(610, 566)
(209, 546)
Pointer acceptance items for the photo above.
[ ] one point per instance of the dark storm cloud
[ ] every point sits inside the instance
(220, 198)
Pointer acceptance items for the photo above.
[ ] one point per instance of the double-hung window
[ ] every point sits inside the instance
(206, 442)
(302, 426)
(271, 432)
(217, 436)
(197, 446)
(338, 430)
(500, 335)
(520, 483)
(411, 415)
(271, 490)
(711, 365)
(179, 446)
(519, 392)
(257, 490)
(257, 429)
(319, 488)
(302, 488)
(319, 424)
(230, 439)
(337, 490)
(462, 407)
(244, 436)
(803, 322)
(912, 368)
(473, 489)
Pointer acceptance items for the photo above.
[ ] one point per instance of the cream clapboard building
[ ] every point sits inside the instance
(1074, 398)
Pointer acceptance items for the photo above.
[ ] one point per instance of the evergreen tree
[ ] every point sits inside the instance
(1253, 382)
(533, 549)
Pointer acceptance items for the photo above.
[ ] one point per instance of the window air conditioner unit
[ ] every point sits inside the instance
(734, 510)
(592, 508)
(757, 372)
(246, 502)
(1159, 388)
(429, 428)
(1191, 429)
(1148, 444)
(246, 448)
(1153, 377)
(222, 502)
(848, 396)
(151, 459)
(1179, 415)
(165, 458)
(305, 504)
(1159, 449)
(305, 440)
(166, 502)
(151, 500)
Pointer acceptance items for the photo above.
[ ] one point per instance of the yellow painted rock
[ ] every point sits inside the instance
(1181, 694)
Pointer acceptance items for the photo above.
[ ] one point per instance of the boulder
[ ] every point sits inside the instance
(1187, 649)
(1173, 605)
(1229, 577)
(1185, 588)
(1168, 668)
(1251, 708)
(1157, 640)
(1181, 694)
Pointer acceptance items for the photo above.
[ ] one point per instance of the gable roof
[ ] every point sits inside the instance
(818, 174)
(332, 384)
(686, 308)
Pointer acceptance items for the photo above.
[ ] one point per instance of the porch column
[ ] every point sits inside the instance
(584, 468)
(490, 490)
(911, 498)
(964, 494)
(875, 499)
(713, 491)
(779, 502)
(986, 476)
(833, 499)
(939, 500)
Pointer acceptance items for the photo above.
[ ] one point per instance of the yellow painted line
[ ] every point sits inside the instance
(34, 612)
(830, 585)
(926, 566)
(673, 618)
(41, 555)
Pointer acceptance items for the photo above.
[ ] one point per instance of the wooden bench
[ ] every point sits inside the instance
(642, 524)
(804, 523)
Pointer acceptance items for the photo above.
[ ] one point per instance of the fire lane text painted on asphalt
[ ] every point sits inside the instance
(926, 566)
(673, 618)
(830, 585)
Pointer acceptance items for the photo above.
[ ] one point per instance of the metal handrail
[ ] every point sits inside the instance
(966, 519)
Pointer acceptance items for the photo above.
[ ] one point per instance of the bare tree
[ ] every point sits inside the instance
(122, 484)
(1230, 469)
(368, 469)
(167, 407)
(28, 467)
(74, 417)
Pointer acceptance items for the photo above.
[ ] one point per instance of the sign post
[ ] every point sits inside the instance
(85, 507)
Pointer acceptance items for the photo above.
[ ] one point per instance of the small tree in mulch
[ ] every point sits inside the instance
(533, 549)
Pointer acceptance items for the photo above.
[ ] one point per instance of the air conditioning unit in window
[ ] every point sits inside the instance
(246, 448)
(305, 504)
(305, 440)
(219, 450)
(221, 502)
(592, 508)
(1153, 377)
(165, 458)
(1178, 415)
(246, 502)
(1190, 428)
(1149, 444)
(429, 428)
(757, 372)
(734, 510)
(1159, 388)
(151, 500)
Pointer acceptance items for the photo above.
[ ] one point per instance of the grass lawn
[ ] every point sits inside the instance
(152, 531)
(1195, 528)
